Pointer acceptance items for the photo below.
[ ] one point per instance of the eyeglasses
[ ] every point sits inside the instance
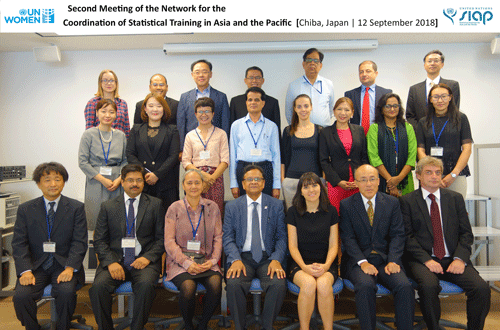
(254, 179)
(134, 180)
(106, 81)
(160, 85)
(255, 78)
(201, 112)
(391, 106)
(199, 73)
(366, 180)
(444, 97)
(312, 60)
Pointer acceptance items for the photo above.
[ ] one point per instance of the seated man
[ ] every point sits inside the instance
(49, 244)
(373, 238)
(128, 240)
(254, 239)
(438, 246)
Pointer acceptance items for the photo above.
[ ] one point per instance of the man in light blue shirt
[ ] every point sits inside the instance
(254, 140)
(319, 89)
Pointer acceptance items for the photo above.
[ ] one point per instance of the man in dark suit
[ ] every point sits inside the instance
(255, 241)
(438, 246)
(366, 96)
(128, 240)
(158, 84)
(49, 244)
(373, 240)
(416, 104)
(201, 71)
(254, 77)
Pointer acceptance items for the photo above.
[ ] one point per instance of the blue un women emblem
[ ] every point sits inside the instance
(47, 15)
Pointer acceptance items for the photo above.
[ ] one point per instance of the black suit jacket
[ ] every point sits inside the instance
(416, 104)
(333, 156)
(172, 104)
(355, 96)
(163, 159)
(69, 232)
(112, 227)
(238, 109)
(359, 239)
(419, 235)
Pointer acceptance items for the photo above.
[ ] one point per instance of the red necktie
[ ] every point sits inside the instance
(365, 120)
(437, 230)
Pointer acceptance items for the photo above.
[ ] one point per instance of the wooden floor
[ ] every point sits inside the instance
(165, 305)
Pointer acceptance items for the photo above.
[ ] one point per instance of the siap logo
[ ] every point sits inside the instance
(470, 16)
(32, 16)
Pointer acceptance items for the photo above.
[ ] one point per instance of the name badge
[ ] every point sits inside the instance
(205, 154)
(49, 247)
(437, 151)
(128, 242)
(256, 152)
(105, 170)
(193, 245)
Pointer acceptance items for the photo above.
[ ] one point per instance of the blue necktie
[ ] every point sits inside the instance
(256, 246)
(130, 252)
(50, 217)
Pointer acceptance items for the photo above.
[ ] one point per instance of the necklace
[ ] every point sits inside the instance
(106, 140)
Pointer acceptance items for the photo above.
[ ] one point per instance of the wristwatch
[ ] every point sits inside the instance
(453, 175)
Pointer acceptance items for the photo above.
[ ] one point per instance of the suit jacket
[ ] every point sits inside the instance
(172, 104)
(359, 239)
(162, 159)
(333, 156)
(416, 105)
(69, 232)
(419, 235)
(186, 119)
(355, 96)
(271, 110)
(112, 227)
(273, 228)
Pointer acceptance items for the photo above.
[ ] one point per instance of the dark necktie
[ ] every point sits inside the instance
(365, 119)
(50, 219)
(130, 251)
(437, 230)
(256, 246)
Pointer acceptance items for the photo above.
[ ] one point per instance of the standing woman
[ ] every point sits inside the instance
(206, 148)
(107, 88)
(445, 134)
(342, 149)
(392, 147)
(299, 147)
(193, 241)
(154, 145)
(101, 157)
(313, 237)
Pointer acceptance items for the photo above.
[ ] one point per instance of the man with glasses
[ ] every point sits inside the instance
(201, 71)
(254, 140)
(366, 97)
(416, 106)
(255, 242)
(373, 241)
(319, 89)
(254, 77)
(128, 240)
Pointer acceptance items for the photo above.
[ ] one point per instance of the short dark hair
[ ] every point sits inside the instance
(379, 109)
(256, 90)
(104, 103)
(204, 102)
(46, 168)
(299, 201)
(132, 168)
(202, 61)
(254, 68)
(435, 51)
(374, 65)
(251, 167)
(157, 74)
(313, 50)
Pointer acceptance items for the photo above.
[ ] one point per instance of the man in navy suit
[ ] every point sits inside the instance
(49, 244)
(373, 240)
(416, 104)
(255, 243)
(364, 105)
(201, 71)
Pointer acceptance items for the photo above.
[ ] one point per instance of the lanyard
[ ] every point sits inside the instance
(49, 227)
(320, 84)
(106, 156)
(191, 222)
(255, 142)
(434, 132)
(199, 137)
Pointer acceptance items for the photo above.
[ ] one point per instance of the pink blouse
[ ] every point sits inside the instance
(217, 145)
(178, 231)
(345, 136)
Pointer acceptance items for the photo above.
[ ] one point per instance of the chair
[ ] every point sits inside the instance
(382, 291)
(315, 318)
(51, 324)
(447, 289)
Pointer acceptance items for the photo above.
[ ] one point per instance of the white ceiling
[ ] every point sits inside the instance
(20, 42)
